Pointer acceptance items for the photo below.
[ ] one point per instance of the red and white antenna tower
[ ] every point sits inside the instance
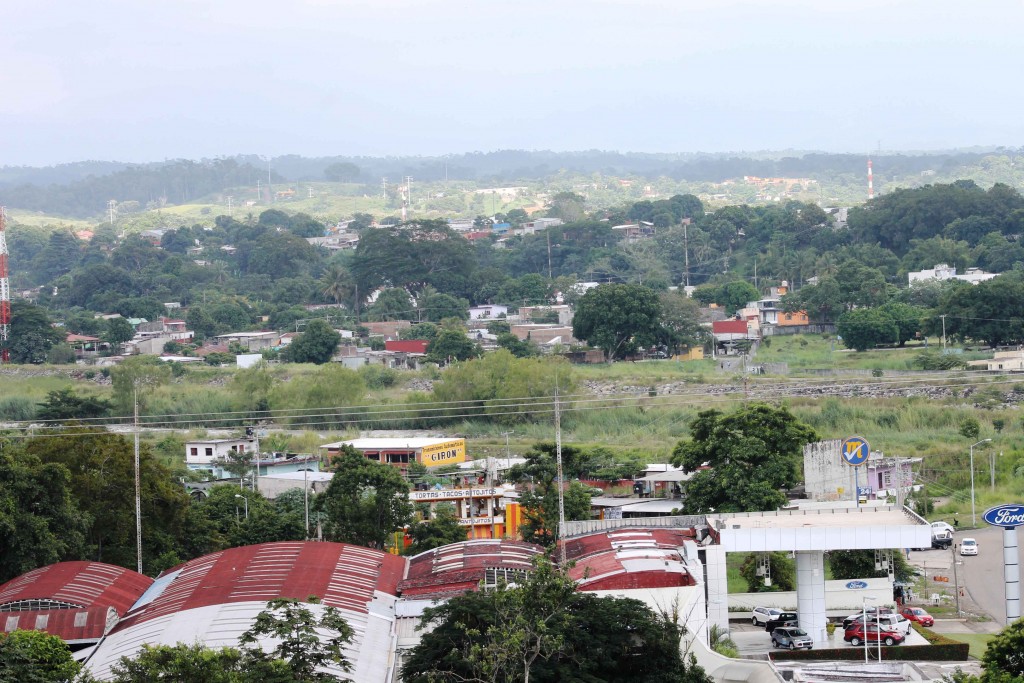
(871, 182)
(5, 289)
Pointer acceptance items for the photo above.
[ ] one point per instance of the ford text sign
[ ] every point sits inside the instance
(856, 585)
(1006, 516)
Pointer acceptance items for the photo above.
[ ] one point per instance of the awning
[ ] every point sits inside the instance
(672, 475)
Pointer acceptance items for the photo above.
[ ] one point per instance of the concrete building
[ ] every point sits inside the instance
(943, 272)
(563, 312)
(203, 453)
(274, 484)
(1002, 361)
(250, 341)
(399, 452)
(488, 312)
(827, 477)
(538, 224)
(479, 508)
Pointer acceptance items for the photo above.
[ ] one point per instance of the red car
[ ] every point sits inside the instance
(856, 635)
(919, 615)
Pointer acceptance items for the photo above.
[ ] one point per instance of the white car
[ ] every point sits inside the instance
(938, 527)
(968, 546)
(762, 615)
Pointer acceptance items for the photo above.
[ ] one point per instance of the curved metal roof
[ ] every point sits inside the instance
(460, 567)
(74, 585)
(343, 576)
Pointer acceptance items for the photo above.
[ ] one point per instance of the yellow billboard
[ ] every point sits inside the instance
(446, 453)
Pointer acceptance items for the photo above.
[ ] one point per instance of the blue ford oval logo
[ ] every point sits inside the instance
(1006, 516)
(856, 585)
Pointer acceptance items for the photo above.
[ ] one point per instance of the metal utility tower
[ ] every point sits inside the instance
(5, 289)
(871, 182)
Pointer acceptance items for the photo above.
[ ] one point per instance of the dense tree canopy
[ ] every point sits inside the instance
(544, 629)
(618, 318)
(753, 454)
(365, 502)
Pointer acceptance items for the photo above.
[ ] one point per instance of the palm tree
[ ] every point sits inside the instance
(337, 284)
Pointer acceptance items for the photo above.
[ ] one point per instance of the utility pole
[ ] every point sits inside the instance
(943, 316)
(956, 579)
(231, 211)
(138, 488)
(548, 232)
(259, 191)
(384, 185)
(561, 481)
(5, 291)
(992, 467)
(111, 204)
(686, 254)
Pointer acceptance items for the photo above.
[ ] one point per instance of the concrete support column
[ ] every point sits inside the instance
(810, 593)
(717, 586)
(1011, 574)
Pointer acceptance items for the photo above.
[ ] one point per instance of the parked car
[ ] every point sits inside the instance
(968, 546)
(942, 535)
(762, 615)
(792, 637)
(893, 622)
(857, 634)
(859, 616)
(782, 620)
(919, 615)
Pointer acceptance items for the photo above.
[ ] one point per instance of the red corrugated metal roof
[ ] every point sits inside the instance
(729, 327)
(70, 625)
(344, 576)
(406, 345)
(84, 584)
(459, 567)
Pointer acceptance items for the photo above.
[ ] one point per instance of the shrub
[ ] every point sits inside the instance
(17, 409)
(378, 376)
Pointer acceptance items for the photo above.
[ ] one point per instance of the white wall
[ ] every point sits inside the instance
(837, 597)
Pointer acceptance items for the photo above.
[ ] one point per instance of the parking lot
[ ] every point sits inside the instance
(754, 640)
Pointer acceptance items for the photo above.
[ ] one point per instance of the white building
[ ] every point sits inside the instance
(942, 272)
(202, 454)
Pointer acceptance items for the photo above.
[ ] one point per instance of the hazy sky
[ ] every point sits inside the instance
(141, 80)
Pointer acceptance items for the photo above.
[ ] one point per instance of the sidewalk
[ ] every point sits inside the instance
(947, 626)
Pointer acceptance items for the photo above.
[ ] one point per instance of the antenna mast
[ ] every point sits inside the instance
(5, 290)
(871, 182)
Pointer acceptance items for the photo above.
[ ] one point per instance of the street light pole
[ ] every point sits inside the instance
(246, 500)
(865, 627)
(974, 515)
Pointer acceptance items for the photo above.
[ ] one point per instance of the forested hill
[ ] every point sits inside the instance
(508, 165)
(83, 189)
(149, 185)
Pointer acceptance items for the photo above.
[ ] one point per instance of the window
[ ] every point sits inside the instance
(241, 448)
(209, 451)
(499, 576)
(36, 605)
(193, 451)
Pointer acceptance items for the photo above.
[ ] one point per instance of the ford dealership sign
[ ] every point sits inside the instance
(1006, 516)
(856, 585)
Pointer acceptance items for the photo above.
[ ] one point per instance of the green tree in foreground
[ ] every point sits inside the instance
(365, 502)
(753, 454)
(306, 642)
(452, 344)
(543, 630)
(540, 501)
(32, 333)
(39, 521)
(35, 657)
(442, 529)
(182, 663)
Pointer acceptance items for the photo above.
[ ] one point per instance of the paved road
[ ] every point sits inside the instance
(982, 575)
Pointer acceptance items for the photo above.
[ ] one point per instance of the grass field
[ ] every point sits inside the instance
(977, 641)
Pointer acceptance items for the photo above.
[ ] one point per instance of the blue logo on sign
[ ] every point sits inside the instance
(856, 585)
(855, 450)
(1006, 516)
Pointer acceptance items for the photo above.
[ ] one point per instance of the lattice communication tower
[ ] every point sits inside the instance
(5, 290)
